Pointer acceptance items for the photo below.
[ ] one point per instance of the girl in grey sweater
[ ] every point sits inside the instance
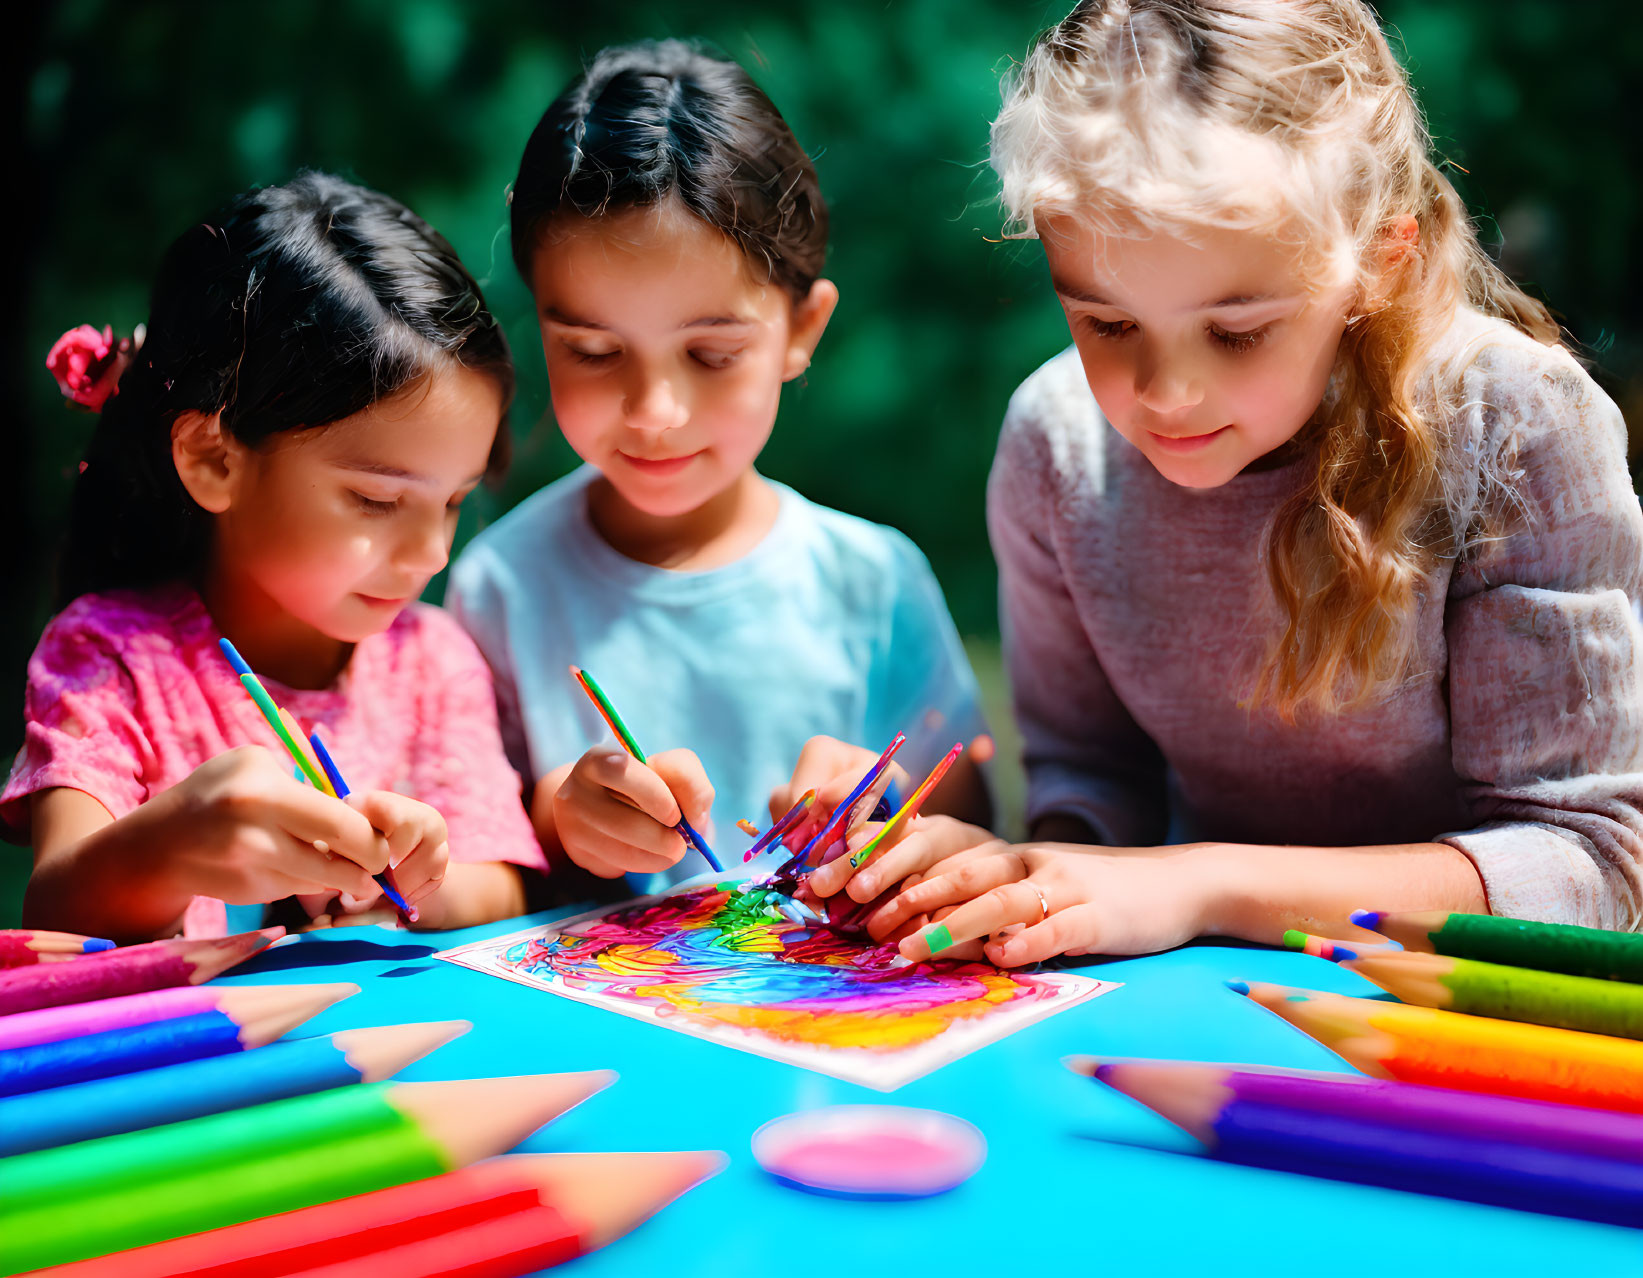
(1319, 557)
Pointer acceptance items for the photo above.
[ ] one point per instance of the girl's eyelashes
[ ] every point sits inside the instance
(715, 359)
(1116, 330)
(371, 506)
(589, 357)
(1238, 341)
(1109, 328)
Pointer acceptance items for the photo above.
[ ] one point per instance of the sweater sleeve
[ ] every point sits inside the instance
(1546, 655)
(1084, 754)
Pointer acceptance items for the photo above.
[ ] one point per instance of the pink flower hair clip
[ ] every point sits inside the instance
(88, 364)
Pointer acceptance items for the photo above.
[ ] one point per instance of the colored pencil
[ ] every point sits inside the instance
(1437, 1110)
(385, 880)
(1510, 993)
(1474, 1053)
(25, 947)
(909, 809)
(145, 1047)
(838, 824)
(590, 1200)
(1281, 1138)
(1545, 947)
(321, 772)
(1335, 951)
(194, 1089)
(780, 829)
(131, 969)
(127, 1191)
(607, 712)
(53, 1024)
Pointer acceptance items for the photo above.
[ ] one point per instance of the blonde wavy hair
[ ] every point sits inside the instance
(1288, 118)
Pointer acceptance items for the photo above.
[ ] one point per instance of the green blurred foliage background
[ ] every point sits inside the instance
(137, 118)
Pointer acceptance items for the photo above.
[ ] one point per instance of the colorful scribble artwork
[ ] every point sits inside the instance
(719, 961)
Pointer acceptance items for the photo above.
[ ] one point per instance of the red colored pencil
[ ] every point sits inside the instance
(25, 948)
(130, 970)
(506, 1215)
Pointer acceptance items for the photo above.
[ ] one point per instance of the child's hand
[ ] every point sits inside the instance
(906, 853)
(831, 768)
(1049, 899)
(241, 828)
(615, 815)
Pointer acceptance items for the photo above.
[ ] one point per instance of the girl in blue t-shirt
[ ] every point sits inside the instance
(672, 233)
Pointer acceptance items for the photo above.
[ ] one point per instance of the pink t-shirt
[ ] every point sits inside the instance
(128, 693)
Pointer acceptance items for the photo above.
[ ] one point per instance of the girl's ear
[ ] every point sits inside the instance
(810, 318)
(208, 461)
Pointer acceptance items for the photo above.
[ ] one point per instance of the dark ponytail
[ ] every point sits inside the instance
(296, 306)
(648, 123)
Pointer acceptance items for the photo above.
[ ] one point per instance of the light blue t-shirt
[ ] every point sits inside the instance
(830, 625)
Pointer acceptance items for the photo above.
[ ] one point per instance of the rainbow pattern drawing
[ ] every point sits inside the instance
(717, 960)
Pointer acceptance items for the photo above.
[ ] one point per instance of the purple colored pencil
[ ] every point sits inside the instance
(1440, 1110)
(132, 970)
(1357, 1148)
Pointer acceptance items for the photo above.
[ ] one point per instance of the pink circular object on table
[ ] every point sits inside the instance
(870, 1151)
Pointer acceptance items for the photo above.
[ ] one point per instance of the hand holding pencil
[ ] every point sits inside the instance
(623, 812)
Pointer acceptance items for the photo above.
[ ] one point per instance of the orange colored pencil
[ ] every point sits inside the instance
(1474, 1053)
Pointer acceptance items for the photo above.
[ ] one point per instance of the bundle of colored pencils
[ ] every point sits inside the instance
(152, 1124)
(1509, 1073)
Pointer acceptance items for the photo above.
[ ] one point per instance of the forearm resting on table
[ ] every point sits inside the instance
(1259, 892)
(96, 875)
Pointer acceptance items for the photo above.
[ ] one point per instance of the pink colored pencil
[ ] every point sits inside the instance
(134, 969)
(54, 1024)
(24, 948)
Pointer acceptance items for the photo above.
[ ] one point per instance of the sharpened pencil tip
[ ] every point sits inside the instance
(95, 945)
(1238, 987)
(1370, 919)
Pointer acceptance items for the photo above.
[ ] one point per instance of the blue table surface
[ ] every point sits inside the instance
(1058, 1192)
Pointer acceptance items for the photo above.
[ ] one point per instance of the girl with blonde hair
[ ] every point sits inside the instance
(1319, 557)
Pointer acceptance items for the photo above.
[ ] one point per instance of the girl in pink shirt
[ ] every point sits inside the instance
(281, 463)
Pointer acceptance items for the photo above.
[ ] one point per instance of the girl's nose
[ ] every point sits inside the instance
(427, 546)
(652, 403)
(1166, 386)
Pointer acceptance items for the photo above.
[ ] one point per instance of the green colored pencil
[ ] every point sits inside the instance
(1545, 947)
(130, 1190)
(607, 712)
(1510, 993)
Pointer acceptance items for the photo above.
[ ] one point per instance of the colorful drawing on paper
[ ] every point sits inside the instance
(719, 961)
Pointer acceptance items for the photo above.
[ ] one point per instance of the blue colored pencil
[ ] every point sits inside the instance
(26, 1070)
(385, 879)
(194, 1089)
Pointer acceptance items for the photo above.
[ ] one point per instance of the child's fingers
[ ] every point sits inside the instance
(1072, 929)
(423, 870)
(302, 868)
(829, 878)
(957, 880)
(629, 781)
(916, 849)
(319, 820)
(1017, 902)
(636, 845)
(686, 780)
